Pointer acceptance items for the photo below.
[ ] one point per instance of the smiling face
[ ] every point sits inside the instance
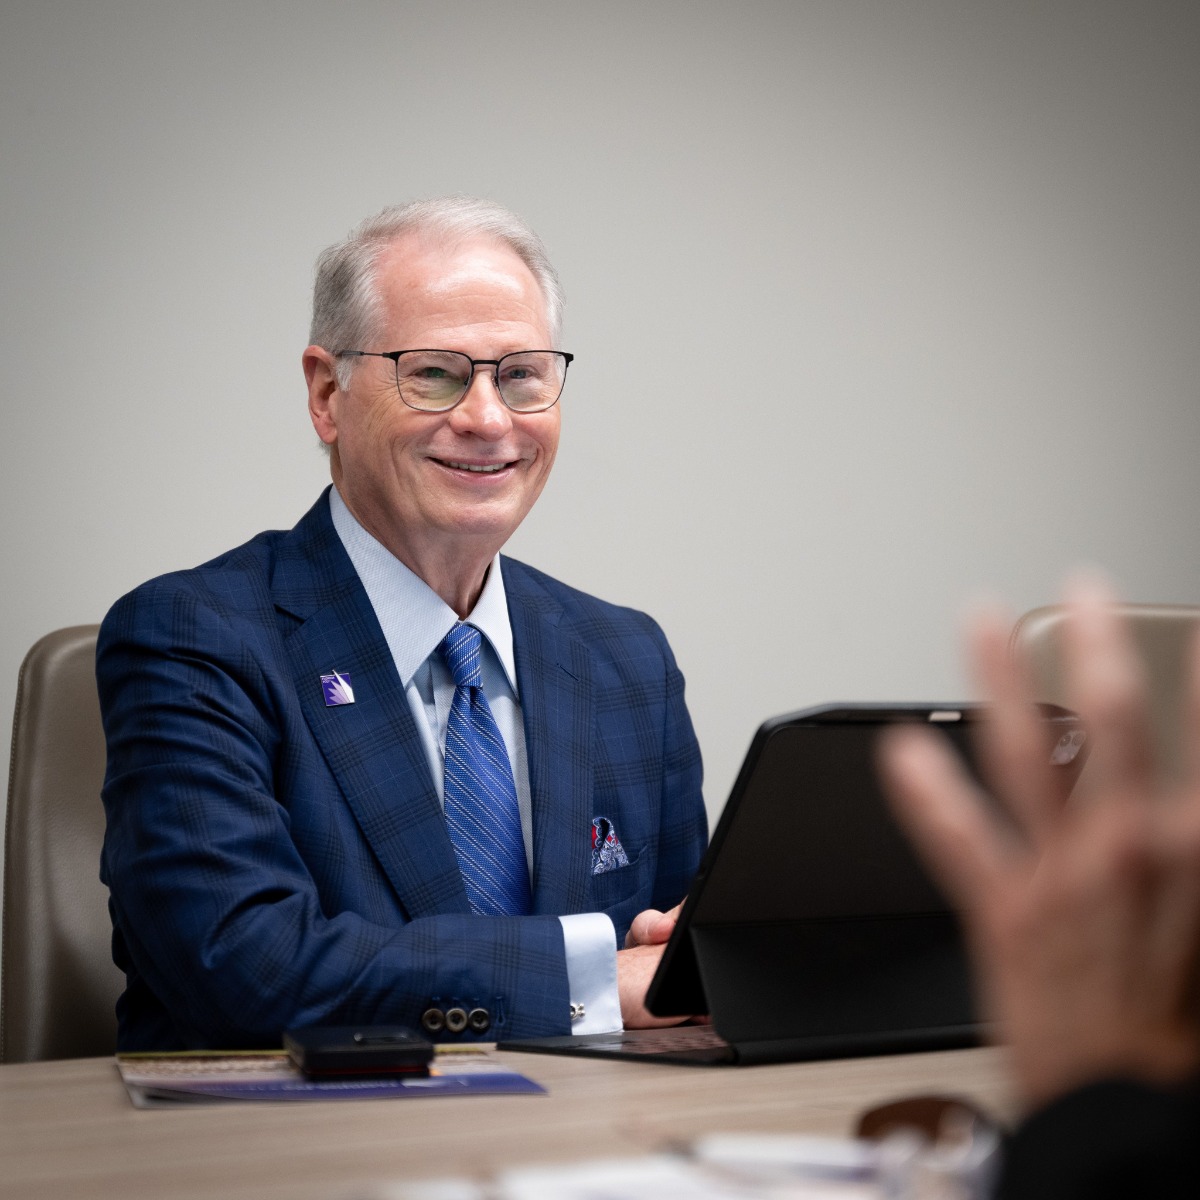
(442, 491)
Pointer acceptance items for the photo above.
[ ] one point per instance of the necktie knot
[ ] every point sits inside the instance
(460, 648)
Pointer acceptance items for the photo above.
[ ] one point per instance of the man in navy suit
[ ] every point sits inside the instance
(284, 838)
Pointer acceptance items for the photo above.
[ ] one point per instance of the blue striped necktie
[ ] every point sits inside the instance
(481, 797)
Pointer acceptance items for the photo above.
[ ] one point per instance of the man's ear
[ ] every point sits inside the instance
(324, 392)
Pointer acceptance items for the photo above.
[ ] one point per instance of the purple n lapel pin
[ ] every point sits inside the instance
(337, 689)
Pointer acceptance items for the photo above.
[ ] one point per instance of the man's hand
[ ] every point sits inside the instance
(652, 928)
(636, 964)
(1085, 922)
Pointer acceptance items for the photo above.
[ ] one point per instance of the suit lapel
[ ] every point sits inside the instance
(372, 746)
(554, 676)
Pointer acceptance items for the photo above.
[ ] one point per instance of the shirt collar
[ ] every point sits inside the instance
(413, 617)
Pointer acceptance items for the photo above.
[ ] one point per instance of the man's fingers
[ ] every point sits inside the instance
(1106, 685)
(1172, 941)
(944, 813)
(1191, 722)
(1012, 742)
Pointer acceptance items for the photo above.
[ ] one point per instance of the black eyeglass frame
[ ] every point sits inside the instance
(494, 363)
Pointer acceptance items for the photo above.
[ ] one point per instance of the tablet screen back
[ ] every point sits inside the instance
(812, 913)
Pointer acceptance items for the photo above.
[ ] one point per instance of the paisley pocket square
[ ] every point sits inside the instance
(607, 852)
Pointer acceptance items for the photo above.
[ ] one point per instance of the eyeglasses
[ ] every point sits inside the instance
(528, 381)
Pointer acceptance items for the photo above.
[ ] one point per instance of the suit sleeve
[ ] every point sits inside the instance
(683, 829)
(219, 921)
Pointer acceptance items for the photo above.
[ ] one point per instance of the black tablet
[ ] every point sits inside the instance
(811, 914)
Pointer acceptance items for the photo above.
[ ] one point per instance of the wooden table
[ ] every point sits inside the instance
(67, 1129)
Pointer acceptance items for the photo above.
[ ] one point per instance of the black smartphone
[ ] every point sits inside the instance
(356, 1051)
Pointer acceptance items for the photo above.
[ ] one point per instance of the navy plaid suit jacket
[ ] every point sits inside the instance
(273, 862)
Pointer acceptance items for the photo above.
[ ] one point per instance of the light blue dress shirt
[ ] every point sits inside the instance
(414, 620)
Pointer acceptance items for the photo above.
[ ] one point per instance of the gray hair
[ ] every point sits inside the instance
(346, 307)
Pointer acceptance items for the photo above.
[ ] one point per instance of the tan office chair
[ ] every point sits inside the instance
(58, 983)
(1162, 633)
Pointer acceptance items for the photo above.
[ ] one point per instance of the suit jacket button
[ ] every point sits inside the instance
(480, 1020)
(456, 1019)
(433, 1020)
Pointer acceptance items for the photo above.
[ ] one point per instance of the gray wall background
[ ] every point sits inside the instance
(876, 305)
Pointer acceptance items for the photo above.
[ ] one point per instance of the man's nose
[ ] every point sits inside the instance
(481, 411)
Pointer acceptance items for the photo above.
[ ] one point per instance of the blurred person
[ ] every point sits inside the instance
(1082, 917)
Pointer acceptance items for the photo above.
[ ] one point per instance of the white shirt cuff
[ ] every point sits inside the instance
(590, 942)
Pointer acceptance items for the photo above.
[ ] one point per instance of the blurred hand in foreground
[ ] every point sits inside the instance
(1083, 921)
